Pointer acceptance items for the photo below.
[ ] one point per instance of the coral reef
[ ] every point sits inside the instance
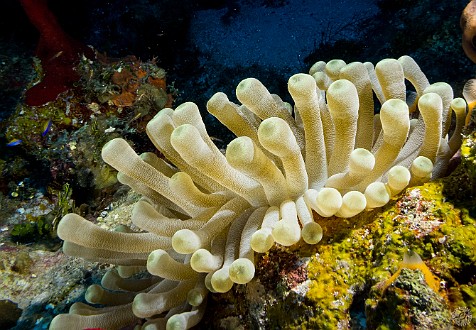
(290, 170)
(125, 88)
(62, 138)
(355, 278)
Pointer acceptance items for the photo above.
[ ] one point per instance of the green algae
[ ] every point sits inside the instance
(43, 227)
(468, 159)
(30, 231)
(443, 235)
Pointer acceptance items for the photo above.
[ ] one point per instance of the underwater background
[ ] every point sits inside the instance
(76, 74)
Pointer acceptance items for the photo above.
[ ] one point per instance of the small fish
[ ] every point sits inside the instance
(46, 128)
(411, 260)
(14, 142)
(58, 54)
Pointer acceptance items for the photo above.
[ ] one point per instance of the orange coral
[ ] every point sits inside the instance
(125, 99)
(122, 77)
(157, 82)
(130, 75)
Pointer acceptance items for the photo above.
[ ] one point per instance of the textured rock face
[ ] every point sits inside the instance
(205, 214)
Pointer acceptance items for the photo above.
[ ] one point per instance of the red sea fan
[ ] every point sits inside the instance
(58, 52)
